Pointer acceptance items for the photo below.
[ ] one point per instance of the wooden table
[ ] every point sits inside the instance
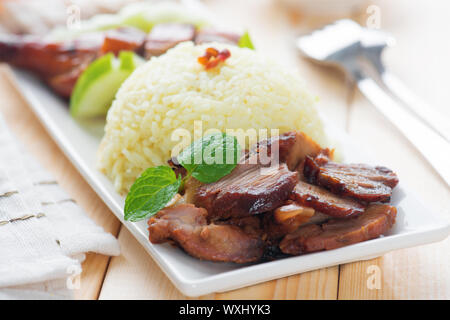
(421, 59)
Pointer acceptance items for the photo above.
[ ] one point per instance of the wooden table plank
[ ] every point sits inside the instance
(32, 134)
(419, 59)
(421, 272)
(319, 284)
(135, 275)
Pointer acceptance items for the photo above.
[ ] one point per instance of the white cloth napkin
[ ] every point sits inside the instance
(43, 232)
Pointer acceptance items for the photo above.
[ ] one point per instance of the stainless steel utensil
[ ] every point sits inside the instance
(373, 43)
(341, 44)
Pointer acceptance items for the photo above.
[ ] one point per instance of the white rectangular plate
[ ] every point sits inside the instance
(415, 223)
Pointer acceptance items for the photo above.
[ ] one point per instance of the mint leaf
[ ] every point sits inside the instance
(211, 157)
(150, 193)
(245, 41)
(207, 160)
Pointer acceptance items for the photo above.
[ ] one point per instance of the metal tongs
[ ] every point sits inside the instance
(347, 45)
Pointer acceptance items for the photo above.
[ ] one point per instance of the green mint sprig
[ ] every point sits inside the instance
(207, 160)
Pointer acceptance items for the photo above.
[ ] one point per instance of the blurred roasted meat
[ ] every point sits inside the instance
(211, 35)
(120, 39)
(64, 83)
(164, 36)
(49, 59)
(61, 63)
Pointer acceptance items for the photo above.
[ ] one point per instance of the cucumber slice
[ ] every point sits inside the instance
(97, 86)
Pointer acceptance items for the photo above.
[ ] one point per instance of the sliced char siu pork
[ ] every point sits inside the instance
(359, 181)
(248, 190)
(325, 201)
(336, 233)
(267, 209)
(252, 187)
(292, 148)
(188, 227)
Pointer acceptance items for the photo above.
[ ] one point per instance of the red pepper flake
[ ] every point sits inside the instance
(213, 57)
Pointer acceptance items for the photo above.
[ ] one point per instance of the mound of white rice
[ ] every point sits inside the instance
(169, 92)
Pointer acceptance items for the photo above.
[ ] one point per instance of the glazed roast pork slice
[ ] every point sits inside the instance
(375, 221)
(325, 201)
(359, 181)
(248, 190)
(285, 197)
(188, 227)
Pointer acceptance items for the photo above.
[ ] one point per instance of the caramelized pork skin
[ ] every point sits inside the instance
(359, 181)
(187, 226)
(249, 189)
(376, 220)
(292, 148)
